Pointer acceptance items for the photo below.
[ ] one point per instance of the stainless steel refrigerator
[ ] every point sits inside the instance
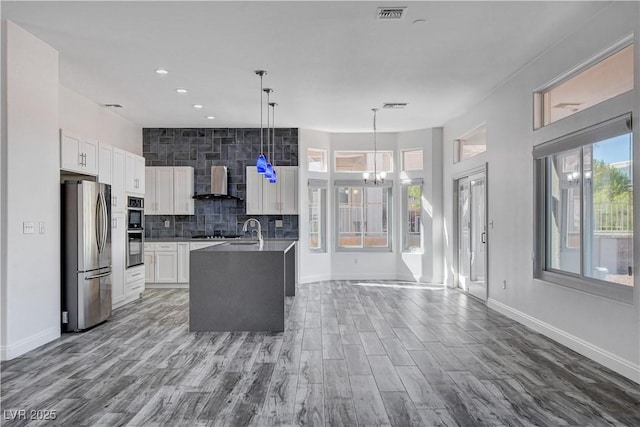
(86, 254)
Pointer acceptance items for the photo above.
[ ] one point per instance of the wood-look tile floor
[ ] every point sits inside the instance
(353, 353)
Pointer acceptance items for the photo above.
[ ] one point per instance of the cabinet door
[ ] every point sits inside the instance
(166, 267)
(105, 165)
(288, 181)
(130, 173)
(253, 191)
(70, 154)
(163, 190)
(89, 148)
(271, 196)
(118, 200)
(183, 190)
(150, 202)
(118, 242)
(183, 262)
(149, 267)
(139, 172)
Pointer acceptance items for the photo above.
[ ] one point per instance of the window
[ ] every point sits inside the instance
(317, 216)
(471, 144)
(317, 160)
(412, 198)
(362, 161)
(585, 216)
(363, 218)
(600, 80)
(412, 160)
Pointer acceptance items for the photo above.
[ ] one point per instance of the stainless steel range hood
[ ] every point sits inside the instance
(219, 184)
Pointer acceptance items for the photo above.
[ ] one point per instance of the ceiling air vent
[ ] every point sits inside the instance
(394, 105)
(113, 105)
(390, 13)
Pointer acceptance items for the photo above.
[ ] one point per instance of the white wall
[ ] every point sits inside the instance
(600, 328)
(30, 192)
(84, 117)
(312, 266)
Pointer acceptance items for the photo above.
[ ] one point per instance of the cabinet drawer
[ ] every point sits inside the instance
(134, 274)
(149, 247)
(166, 247)
(201, 245)
(137, 286)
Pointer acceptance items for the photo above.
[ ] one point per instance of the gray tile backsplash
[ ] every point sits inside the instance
(206, 147)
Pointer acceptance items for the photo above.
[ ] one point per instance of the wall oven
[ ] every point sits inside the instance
(135, 231)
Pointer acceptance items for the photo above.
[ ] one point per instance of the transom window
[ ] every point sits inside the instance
(362, 161)
(471, 144)
(585, 189)
(412, 160)
(317, 160)
(601, 79)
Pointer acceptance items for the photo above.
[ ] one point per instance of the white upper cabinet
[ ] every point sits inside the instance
(134, 174)
(118, 197)
(78, 154)
(169, 190)
(105, 164)
(264, 198)
(183, 203)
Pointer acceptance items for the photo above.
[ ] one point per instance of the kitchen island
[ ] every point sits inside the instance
(241, 286)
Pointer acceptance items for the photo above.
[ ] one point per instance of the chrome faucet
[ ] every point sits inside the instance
(259, 227)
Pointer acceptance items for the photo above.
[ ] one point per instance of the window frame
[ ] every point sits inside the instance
(325, 158)
(542, 155)
(405, 212)
(458, 143)
(387, 186)
(538, 95)
(320, 185)
(402, 165)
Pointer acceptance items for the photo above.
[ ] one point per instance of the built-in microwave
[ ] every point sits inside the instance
(135, 213)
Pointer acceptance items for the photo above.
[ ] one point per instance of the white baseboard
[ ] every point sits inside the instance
(615, 363)
(166, 286)
(11, 351)
(314, 278)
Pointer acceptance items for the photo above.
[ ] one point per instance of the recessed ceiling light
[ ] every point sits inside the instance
(162, 71)
(210, 117)
(181, 90)
(197, 106)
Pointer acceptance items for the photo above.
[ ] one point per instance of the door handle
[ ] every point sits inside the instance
(483, 237)
(98, 276)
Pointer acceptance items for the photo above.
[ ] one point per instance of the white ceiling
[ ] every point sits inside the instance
(328, 62)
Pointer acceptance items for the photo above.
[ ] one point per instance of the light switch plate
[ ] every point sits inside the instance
(167, 224)
(278, 223)
(28, 227)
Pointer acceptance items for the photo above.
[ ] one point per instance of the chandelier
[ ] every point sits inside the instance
(378, 177)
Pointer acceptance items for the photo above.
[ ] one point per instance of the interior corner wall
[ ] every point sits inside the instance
(313, 266)
(84, 117)
(602, 329)
(31, 193)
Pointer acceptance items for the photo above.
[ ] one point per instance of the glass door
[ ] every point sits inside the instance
(472, 235)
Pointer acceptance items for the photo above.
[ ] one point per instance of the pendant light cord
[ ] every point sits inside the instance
(261, 96)
(375, 148)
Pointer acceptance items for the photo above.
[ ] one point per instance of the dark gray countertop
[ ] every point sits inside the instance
(243, 246)
(188, 239)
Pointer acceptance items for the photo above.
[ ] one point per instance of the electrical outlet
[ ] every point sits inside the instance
(167, 224)
(504, 284)
(28, 227)
(278, 223)
(41, 227)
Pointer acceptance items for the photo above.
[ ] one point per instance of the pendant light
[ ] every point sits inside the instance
(274, 175)
(378, 178)
(261, 163)
(269, 168)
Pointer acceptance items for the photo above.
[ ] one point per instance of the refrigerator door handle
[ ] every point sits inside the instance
(98, 276)
(101, 222)
(105, 222)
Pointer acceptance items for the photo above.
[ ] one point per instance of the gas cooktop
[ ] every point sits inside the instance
(216, 236)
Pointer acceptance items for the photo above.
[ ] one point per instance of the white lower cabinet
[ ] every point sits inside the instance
(183, 262)
(133, 283)
(168, 262)
(118, 241)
